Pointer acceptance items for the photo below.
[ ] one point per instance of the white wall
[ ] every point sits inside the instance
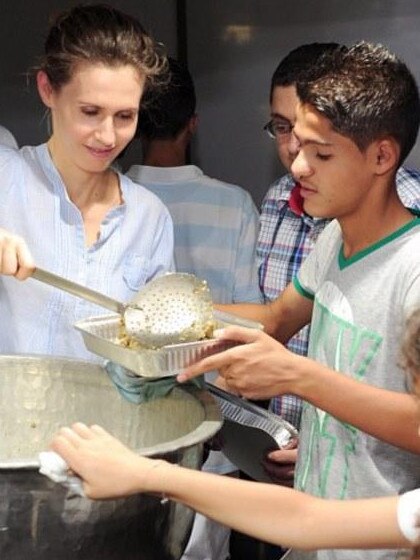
(234, 47)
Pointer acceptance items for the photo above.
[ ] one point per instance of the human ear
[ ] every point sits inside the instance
(386, 153)
(45, 89)
(192, 124)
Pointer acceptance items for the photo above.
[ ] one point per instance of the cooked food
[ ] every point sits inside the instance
(205, 332)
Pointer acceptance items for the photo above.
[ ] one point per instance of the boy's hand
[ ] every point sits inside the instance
(258, 369)
(280, 464)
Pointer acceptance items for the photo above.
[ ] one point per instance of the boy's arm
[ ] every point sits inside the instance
(262, 368)
(386, 415)
(281, 318)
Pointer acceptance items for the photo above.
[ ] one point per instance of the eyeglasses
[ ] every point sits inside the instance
(278, 128)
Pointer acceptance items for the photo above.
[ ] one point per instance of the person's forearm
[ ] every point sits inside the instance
(270, 513)
(258, 312)
(387, 415)
(279, 319)
(280, 515)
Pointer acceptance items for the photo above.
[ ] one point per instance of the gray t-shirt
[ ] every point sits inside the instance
(359, 309)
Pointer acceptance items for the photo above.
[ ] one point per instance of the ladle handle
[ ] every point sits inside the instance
(78, 290)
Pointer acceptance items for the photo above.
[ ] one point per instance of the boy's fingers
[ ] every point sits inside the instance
(238, 334)
(223, 359)
(200, 367)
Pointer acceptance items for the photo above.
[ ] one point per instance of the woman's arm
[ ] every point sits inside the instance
(270, 513)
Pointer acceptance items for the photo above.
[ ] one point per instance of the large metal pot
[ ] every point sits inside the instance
(43, 521)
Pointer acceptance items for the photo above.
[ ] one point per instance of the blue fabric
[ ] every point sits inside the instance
(139, 390)
(215, 225)
(134, 246)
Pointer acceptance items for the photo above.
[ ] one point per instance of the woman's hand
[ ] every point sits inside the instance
(15, 257)
(107, 467)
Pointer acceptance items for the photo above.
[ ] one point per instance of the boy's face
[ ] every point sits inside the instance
(334, 174)
(283, 108)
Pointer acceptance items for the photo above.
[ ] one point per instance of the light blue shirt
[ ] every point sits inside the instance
(215, 225)
(135, 245)
(216, 228)
(7, 138)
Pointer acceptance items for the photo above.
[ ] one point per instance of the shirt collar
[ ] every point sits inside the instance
(150, 174)
(54, 176)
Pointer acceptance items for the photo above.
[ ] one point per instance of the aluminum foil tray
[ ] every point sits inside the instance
(249, 433)
(100, 335)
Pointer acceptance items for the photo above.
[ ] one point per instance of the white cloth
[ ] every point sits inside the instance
(409, 516)
(56, 469)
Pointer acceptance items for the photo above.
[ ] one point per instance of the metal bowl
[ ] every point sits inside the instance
(43, 521)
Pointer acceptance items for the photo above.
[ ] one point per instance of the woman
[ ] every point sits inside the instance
(269, 512)
(62, 206)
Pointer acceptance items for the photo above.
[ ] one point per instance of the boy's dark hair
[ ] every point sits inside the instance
(367, 93)
(295, 65)
(166, 110)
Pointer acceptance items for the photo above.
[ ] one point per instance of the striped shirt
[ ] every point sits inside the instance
(7, 138)
(215, 226)
(135, 245)
(285, 240)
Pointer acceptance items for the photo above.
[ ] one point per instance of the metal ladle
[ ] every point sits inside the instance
(173, 308)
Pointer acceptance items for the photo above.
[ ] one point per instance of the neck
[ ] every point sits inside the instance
(166, 152)
(85, 188)
(372, 223)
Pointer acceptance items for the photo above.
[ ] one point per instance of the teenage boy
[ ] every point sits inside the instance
(287, 232)
(356, 121)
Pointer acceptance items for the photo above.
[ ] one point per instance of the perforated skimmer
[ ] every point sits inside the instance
(170, 309)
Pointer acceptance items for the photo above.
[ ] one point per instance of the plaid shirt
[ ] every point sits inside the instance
(285, 240)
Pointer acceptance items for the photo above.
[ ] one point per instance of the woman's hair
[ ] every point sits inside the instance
(98, 34)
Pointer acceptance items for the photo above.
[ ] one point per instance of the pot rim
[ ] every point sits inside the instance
(210, 425)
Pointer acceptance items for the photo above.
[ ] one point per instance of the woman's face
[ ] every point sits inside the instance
(94, 115)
